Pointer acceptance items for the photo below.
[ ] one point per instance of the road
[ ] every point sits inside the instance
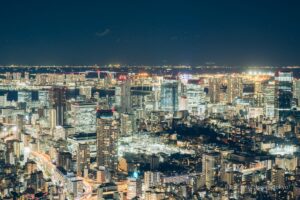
(48, 167)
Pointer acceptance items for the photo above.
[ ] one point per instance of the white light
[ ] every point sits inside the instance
(283, 150)
(27, 150)
(14, 128)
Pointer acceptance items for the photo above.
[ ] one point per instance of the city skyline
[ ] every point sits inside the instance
(150, 100)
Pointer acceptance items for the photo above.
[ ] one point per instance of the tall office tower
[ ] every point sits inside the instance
(126, 96)
(3, 100)
(128, 124)
(83, 159)
(156, 97)
(278, 177)
(13, 151)
(58, 102)
(182, 103)
(86, 91)
(108, 191)
(296, 91)
(195, 98)
(24, 96)
(20, 126)
(154, 162)
(123, 96)
(27, 76)
(83, 117)
(214, 89)
(43, 97)
(269, 99)
(64, 160)
(258, 93)
(210, 167)
(134, 188)
(36, 180)
(118, 96)
(234, 88)
(283, 94)
(169, 95)
(52, 119)
(8, 76)
(151, 179)
(107, 137)
(75, 186)
(17, 75)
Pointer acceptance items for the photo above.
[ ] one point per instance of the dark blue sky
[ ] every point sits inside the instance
(241, 32)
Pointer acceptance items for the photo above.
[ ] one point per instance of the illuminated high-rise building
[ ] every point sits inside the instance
(134, 188)
(13, 151)
(234, 88)
(210, 167)
(52, 119)
(123, 99)
(64, 160)
(58, 102)
(83, 117)
(75, 186)
(24, 96)
(86, 91)
(43, 97)
(269, 99)
(214, 90)
(169, 95)
(3, 99)
(283, 94)
(20, 126)
(195, 98)
(108, 129)
(154, 162)
(296, 91)
(126, 96)
(83, 159)
(128, 125)
(107, 191)
(278, 177)
(151, 179)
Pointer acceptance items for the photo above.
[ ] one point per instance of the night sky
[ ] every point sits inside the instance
(150, 32)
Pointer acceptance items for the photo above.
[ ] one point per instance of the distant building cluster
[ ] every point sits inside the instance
(152, 136)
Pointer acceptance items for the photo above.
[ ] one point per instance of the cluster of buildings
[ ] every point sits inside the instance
(108, 135)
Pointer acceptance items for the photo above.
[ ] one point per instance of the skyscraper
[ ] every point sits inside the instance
(151, 179)
(126, 96)
(269, 98)
(210, 166)
(64, 160)
(52, 119)
(58, 101)
(214, 90)
(169, 95)
(83, 158)
(123, 96)
(128, 125)
(107, 137)
(83, 117)
(234, 88)
(134, 186)
(296, 91)
(283, 94)
(195, 97)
